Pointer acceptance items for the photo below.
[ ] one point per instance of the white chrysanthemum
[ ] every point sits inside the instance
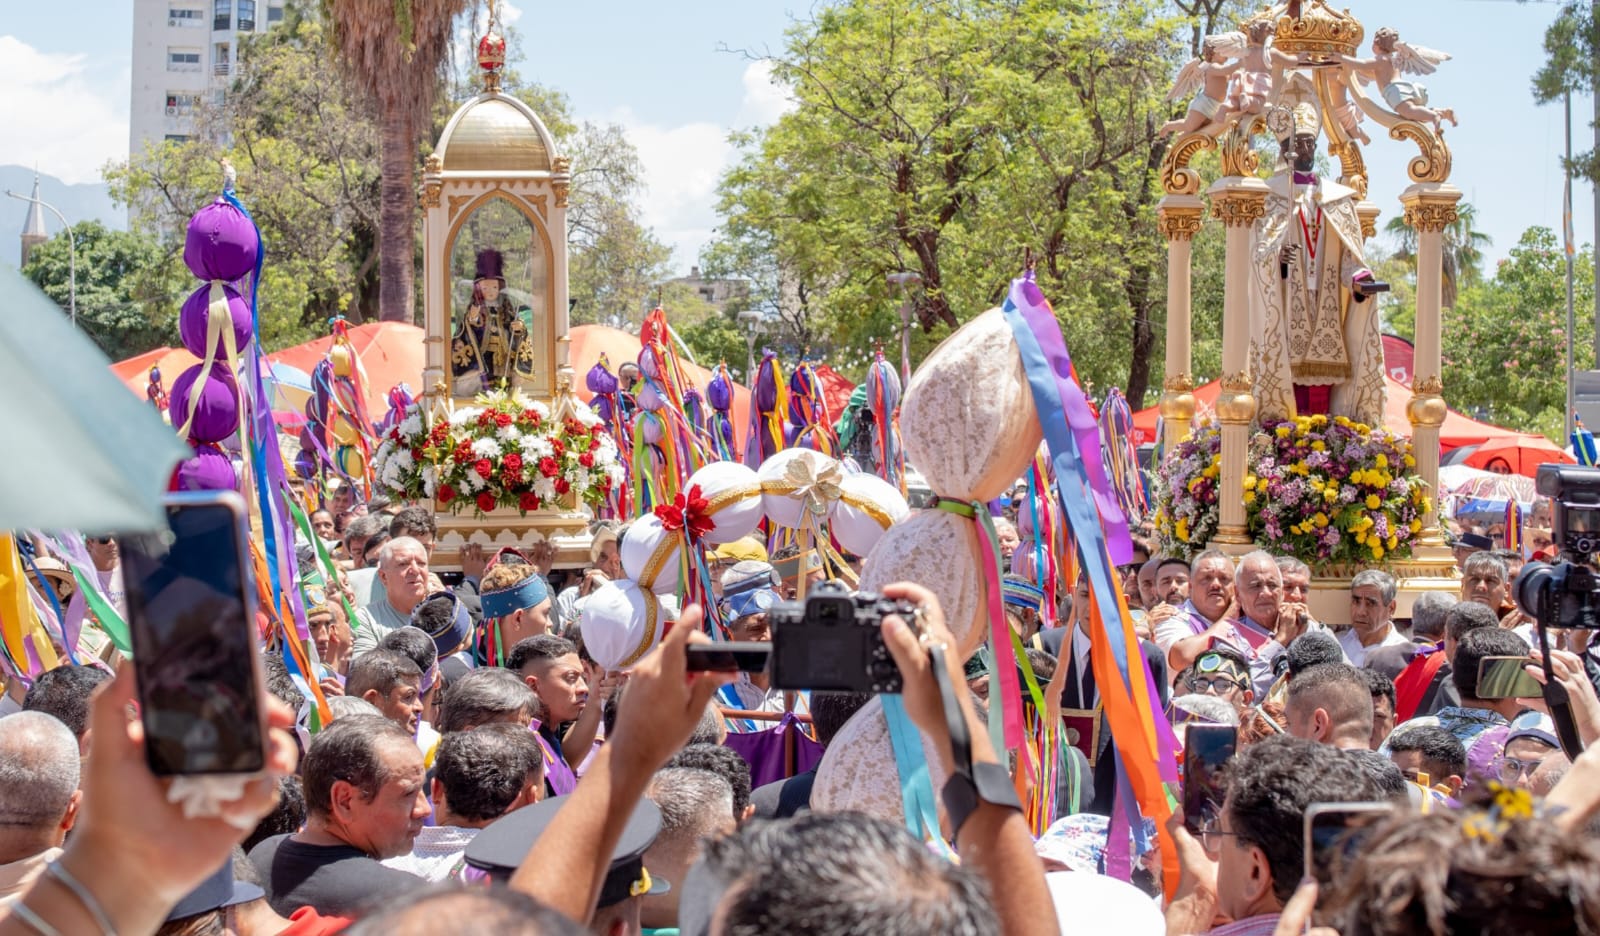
(544, 487)
(412, 424)
(537, 446)
(486, 448)
(402, 460)
(540, 408)
(464, 415)
(508, 433)
(586, 416)
(430, 480)
(581, 479)
(472, 482)
(615, 471)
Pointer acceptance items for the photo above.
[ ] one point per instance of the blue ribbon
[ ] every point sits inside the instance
(916, 789)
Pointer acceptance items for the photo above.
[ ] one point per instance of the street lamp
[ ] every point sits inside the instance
(905, 280)
(72, 251)
(751, 320)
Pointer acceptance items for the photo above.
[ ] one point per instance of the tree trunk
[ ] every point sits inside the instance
(1140, 276)
(396, 240)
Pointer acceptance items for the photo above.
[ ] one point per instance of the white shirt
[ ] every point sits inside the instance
(1357, 654)
(436, 852)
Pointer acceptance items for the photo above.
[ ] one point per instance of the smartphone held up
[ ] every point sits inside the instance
(191, 618)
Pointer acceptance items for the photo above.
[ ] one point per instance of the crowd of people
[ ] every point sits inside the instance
(481, 773)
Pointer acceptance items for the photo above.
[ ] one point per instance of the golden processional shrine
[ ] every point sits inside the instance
(1299, 319)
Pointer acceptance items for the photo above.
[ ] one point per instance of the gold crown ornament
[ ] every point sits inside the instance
(1311, 27)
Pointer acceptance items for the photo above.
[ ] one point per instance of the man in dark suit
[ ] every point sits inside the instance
(1080, 697)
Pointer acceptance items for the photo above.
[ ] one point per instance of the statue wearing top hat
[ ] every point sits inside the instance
(491, 348)
(1316, 346)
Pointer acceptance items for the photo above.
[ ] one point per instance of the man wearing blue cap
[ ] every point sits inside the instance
(749, 590)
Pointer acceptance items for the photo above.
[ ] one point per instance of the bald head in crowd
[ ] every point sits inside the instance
(39, 777)
(1331, 704)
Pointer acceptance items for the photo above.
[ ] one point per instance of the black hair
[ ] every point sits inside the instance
(1380, 686)
(413, 641)
(1339, 689)
(1436, 745)
(830, 710)
(1312, 648)
(382, 670)
(484, 770)
(484, 695)
(350, 749)
(540, 648)
(1383, 772)
(1270, 785)
(471, 911)
(410, 521)
(726, 763)
(288, 814)
(1477, 644)
(879, 880)
(279, 684)
(64, 693)
(1171, 560)
(1468, 616)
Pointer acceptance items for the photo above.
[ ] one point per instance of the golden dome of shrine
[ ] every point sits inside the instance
(497, 133)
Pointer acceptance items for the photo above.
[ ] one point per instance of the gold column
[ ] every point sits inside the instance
(1179, 218)
(1239, 202)
(1430, 208)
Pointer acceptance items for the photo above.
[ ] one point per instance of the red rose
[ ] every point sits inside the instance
(530, 416)
(528, 501)
(548, 467)
(594, 443)
(416, 454)
(463, 453)
(485, 468)
(560, 449)
(446, 494)
(485, 501)
(562, 486)
(502, 419)
(439, 433)
(394, 434)
(486, 418)
(511, 464)
(586, 460)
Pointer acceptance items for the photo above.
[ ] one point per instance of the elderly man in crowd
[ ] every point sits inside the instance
(365, 801)
(1484, 579)
(1296, 579)
(39, 797)
(1372, 605)
(696, 807)
(403, 573)
(478, 776)
(357, 533)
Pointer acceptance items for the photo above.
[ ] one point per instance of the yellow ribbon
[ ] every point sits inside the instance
(219, 327)
(652, 611)
(20, 626)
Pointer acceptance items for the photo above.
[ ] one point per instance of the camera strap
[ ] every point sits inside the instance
(1558, 701)
(960, 738)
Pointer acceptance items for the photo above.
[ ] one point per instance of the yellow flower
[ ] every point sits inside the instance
(1361, 535)
(1249, 497)
(1330, 493)
(1382, 460)
(1294, 528)
(1321, 520)
(1249, 481)
(1319, 446)
(1211, 471)
(1373, 502)
(1194, 485)
(1363, 428)
(1411, 462)
(1283, 432)
(1393, 541)
(1261, 485)
(1416, 526)
(1319, 420)
(1377, 551)
(1181, 529)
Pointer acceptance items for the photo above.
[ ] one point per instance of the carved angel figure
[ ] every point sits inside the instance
(1260, 65)
(1392, 58)
(1207, 79)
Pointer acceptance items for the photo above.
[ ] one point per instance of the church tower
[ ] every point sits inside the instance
(33, 233)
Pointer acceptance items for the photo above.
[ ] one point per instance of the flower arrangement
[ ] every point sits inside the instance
(1327, 491)
(504, 450)
(1186, 492)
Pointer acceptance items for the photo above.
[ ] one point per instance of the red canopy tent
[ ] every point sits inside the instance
(835, 389)
(1458, 430)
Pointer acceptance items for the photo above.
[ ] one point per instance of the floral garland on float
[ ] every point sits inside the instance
(503, 451)
(1327, 491)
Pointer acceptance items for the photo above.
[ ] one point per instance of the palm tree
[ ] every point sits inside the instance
(1463, 250)
(395, 51)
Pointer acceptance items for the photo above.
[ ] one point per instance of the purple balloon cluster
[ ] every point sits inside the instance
(221, 248)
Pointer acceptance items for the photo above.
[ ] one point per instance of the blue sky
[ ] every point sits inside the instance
(658, 69)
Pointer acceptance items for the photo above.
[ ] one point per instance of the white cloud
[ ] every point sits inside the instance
(60, 112)
(765, 100)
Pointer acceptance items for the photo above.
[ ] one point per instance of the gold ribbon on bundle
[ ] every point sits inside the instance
(663, 551)
(652, 613)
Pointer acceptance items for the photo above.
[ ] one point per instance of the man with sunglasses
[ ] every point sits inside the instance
(108, 569)
(749, 590)
(1223, 672)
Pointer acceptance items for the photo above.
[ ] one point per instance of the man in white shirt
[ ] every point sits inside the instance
(749, 589)
(479, 776)
(1371, 616)
(403, 572)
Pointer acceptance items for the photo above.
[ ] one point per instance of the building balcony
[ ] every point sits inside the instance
(226, 70)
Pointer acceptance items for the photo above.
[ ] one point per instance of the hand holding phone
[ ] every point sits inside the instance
(1334, 832)
(1506, 677)
(1206, 749)
(729, 656)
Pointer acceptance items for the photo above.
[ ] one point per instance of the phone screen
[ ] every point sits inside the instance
(1206, 749)
(1503, 677)
(1334, 833)
(192, 625)
(729, 657)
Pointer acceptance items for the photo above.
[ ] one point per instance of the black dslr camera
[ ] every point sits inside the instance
(832, 641)
(1567, 593)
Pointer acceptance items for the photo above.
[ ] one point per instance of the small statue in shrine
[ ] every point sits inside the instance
(1258, 67)
(1392, 58)
(491, 349)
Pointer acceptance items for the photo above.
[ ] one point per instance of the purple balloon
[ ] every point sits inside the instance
(601, 381)
(647, 363)
(305, 464)
(650, 425)
(719, 392)
(766, 383)
(216, 414)
(222, 243)
(196, 316)
(206, 470)
(602, 408)
(650, 398)
(306, 442)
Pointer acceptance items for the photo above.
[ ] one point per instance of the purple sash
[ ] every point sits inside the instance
(556, 770)
(764, 751)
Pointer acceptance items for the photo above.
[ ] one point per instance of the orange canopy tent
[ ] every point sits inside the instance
(1521, 453)
(589, 342)
(1458, 430)
(835, 389)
